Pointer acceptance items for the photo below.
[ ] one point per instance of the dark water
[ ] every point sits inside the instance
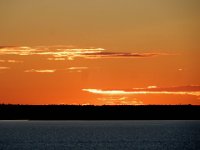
(100, 135)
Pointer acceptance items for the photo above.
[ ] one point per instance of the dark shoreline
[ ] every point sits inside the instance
(105, 112)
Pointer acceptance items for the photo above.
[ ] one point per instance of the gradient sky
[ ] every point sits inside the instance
(100, 52)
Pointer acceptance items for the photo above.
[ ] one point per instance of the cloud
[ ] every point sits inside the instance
(187, 88)
(54, 51)
(10, 61)
(23, 50)
(180, 69)
(41, 71)
(62, 52)
(119, 55)
(60, 59)
(119, 100)
(4, 68)
(112, 98)
(178, 90)
(2, 61)
(77, 69)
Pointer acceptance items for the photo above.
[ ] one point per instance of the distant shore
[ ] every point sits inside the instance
(105, 112)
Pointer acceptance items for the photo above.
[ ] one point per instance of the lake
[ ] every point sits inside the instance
(100, 135)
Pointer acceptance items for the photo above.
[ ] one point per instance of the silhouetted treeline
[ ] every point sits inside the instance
(90, 112)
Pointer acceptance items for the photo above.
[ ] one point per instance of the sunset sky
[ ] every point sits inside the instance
(126, 52)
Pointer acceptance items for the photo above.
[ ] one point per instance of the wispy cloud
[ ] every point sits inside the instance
(118, 100)
(1, 61)
(4, 68)
(119, 55)
(57, 59)
(112, 98)
(10, 61)
(77, 69)
(41, 71)
(53, 51)
(74, 69)
(179, 90)
(62, 52)
(22, 50)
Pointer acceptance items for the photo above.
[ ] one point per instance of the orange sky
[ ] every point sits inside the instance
(99, 52)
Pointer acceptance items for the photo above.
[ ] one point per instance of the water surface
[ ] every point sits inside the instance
(100, 135)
